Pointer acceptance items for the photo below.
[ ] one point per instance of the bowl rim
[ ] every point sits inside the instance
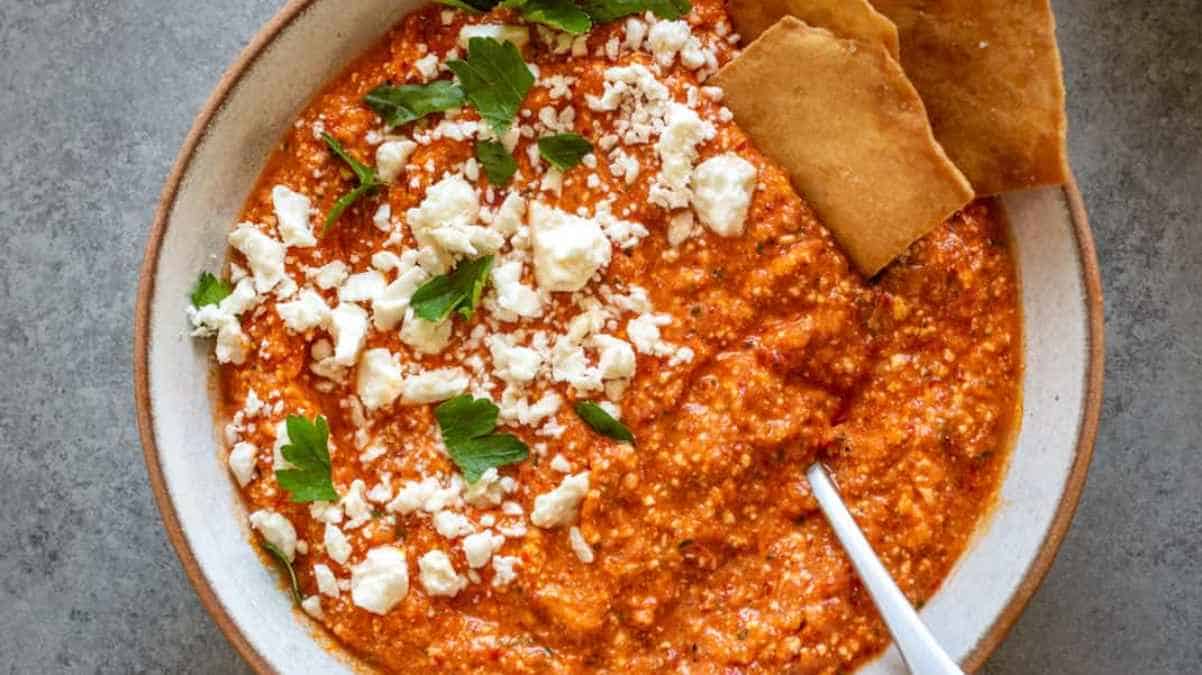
(1032, 578)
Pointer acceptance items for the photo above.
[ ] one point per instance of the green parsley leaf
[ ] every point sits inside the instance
(498, 164)
(344, 202)
(470, 6)
(283, 562)
(602, 422)
(463, 418)
(467, 426)
(495, 79)
(458, 291)
(564, 151)
(564, 15)
(604, 11)
(210, 290)
(368, 181)
(308, 450)
(409, 102)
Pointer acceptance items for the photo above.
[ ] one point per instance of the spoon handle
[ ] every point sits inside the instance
(918, 647)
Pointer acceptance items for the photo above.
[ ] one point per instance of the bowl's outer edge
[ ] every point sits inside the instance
(1033, 577)
(1091, 415)
(141, 351)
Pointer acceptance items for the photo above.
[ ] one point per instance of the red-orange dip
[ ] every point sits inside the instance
(736, 347)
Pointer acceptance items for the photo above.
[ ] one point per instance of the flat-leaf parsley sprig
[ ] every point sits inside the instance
(602, 422)
(467, 427)
(308, 450)
(368, 181)
(495, 79)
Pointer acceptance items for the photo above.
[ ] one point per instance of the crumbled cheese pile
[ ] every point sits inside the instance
(550, 326)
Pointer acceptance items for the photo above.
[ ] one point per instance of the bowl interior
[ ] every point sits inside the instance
(306, 45)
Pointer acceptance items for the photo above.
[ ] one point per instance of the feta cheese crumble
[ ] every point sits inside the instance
(381, 581)
(722, 190)
(276, 530)
(438, 575)
(568, 249)
(560, 506)
(292, 217)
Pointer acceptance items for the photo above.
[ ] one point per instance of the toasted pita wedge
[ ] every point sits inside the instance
(989, 73)
(853, 19)
(843, 120)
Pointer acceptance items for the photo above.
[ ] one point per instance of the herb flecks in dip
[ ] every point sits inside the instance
(525, 350)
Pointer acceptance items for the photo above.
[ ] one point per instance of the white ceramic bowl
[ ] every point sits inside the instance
(309, 42)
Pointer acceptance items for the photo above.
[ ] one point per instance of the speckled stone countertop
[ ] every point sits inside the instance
(95, 99)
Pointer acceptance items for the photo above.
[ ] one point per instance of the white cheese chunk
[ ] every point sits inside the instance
(509, 214)
(561, 464)
(452, 525)
(722, 190)
(560, 506)
(222, 319)
(337, 546)
(666, 38)
(433, 386)
(617, 360)
(438, 575)
(445, 220)
(391, 157)
(292, 217)
(580, 546)
(680, 227)
(512, 295)
(325, 512)
(379, 381)
(381, 580)
(330, 275)
(479, 548)
(312, 607)
(518, 35)
(354, 503)
(276, 530)
(388, 308)
(327, 583)
(490, 490)
(677, 147)
(362, 287)
(348, 324)
(264, 254)
(242, 462)
(643, 331)
(278, 463)
(413, 495)
(515, 408)
(511, 363)
(503, 570)
(382, 219)
(426, 337)
(568, 249)
(308, 310)
(232, 344)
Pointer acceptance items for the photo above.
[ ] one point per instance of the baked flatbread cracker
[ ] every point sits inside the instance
(989, 73)
(849, 128)
(854, 19)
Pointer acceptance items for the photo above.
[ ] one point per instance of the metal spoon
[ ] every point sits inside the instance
(918, 647)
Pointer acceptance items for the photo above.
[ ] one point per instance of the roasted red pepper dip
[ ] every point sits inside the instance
(673, 278)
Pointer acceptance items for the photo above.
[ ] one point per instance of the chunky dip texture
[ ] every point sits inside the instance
(478, 504)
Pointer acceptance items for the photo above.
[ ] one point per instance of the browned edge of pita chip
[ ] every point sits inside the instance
(842, 119)
(989, 72)
(852, 19)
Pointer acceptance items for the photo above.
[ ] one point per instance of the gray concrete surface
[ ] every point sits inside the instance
(96, 97)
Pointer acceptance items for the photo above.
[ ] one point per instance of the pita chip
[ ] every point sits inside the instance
(842, 119)
(852, 19)
(989, 73)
